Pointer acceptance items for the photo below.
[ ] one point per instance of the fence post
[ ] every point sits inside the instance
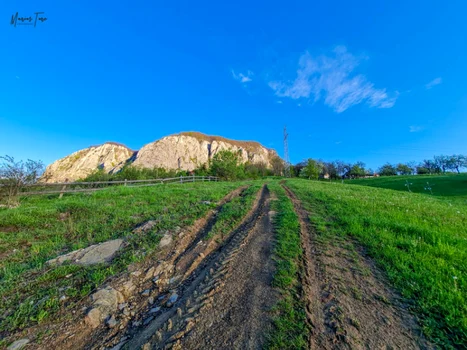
(193, 177)
(125, 182)
(63, 190)
(181, 181)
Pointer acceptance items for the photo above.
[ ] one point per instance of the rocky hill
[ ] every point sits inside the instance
(191, 149)
(110, 156)
(184, 151)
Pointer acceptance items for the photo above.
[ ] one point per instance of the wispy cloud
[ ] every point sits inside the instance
(433, 83)
(17, 77)
(415, 128)
(338, 142)
(330, 77)
(279, 102)
(243, 78)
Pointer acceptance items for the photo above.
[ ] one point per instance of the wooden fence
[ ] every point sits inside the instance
(76, 187)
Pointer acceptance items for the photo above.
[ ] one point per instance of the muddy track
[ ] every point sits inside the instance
(224, 302)
(349, 303)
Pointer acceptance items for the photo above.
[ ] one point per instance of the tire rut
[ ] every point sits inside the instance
(195, 293)
(74, 334)
(350, 304)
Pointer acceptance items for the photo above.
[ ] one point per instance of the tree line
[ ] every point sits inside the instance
(314, 169)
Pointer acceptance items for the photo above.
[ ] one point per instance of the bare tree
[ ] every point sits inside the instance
(15, 175)
(277, 166)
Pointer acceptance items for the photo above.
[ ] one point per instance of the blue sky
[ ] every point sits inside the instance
(354, 80)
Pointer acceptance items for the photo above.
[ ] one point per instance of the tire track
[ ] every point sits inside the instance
(195, 294)
(350, 304)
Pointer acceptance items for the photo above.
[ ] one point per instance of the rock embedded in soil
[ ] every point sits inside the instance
(166, 240)
(111, 322)
(127, 288)
(105, 301)
(19, 344)
(94, 254)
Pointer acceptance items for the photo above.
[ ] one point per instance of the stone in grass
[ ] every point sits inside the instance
(19, 344)
(94, 254)
(166, 240)
(146, 293)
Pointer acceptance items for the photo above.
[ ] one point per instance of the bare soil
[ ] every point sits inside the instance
(348, 300)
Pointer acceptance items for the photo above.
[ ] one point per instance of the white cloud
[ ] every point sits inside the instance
(243, 78)
(434, 82)
(279, 102)
(415, 128)
(329, 77)
(17, 77)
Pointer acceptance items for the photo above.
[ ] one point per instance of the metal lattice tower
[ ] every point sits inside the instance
(286, 154)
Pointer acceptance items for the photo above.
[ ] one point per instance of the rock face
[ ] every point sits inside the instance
(184, 151)
(189, 150)
(109, 156)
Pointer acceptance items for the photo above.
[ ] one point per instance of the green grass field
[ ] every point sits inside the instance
(451, 187)
(419, 240)
(45, 227)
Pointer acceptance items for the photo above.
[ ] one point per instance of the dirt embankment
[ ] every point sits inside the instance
(349, 303)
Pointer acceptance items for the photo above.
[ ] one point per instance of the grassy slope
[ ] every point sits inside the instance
(43, 228)
(290, 331)
(453, 187)
(420, 241)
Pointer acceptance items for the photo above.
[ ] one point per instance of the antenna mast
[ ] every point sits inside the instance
(286, 154)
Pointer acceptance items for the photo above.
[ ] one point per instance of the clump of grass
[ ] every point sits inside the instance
(233, 212)
(290, 330)
(420, 241)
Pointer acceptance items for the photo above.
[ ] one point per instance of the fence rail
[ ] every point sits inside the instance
(77, 187)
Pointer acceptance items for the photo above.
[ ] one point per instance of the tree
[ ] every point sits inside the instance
(403, 169)
(343, 169)
(357, 170)
(278, 166)
(15, 175)
(387, 170)
(311, 170)
(227, 165)
(329, 169)
(459, 161)
(432, 166)
(421, 170)
(412, 165)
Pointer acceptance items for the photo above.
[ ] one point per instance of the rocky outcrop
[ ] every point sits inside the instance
(184, 151)
(109, 156)
(189, 150)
